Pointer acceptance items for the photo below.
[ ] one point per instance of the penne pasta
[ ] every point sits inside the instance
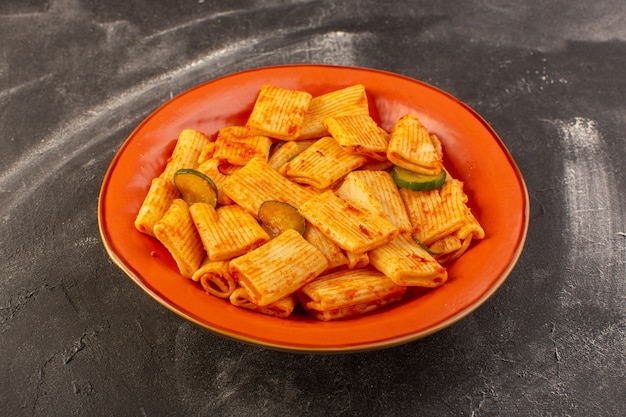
(178, 234)
(278, 268)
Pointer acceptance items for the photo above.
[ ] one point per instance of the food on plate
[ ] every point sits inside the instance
(277, 216)
(310, 204)
(322, 164)
(348, 292)
(226, 232)
(279, 112)
(351, 227)
(416, 181)
(215, 278)
(278, 268)
(412, 147)
(195, 187)
(177, 232)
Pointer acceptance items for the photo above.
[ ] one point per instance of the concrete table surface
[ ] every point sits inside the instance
(77, 337)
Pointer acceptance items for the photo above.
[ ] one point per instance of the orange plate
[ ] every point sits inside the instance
(474, 154)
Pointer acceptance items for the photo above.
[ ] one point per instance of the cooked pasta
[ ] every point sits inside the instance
(348, 239)
(349, 101)
(348, 293)
(286, 151)
(237, 146)
(350, 227)
(280, 308)
(257, 182)
(228, 231)
(411, 146)
(436, 213)
(178, 234)
(359, 134)
(278, 268)
(322, 164)
(212, 168)
(279, 112)
(186, 153)
(407, 263)
(333, 253)
(384, 190)
(155, 204)
(215, 278)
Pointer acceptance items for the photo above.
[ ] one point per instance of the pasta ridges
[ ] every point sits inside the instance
(366, 240)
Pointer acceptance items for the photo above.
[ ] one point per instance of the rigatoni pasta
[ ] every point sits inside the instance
(228, 231)
(436, 213)
(159, 198)
(279, 112)
(178, 234)
(187, 151)
(411, 146)
(362, 238)
(280, 308)
(349, 101)
(406, 263)
(352, 228)
(215, 278)
(278, 268)
(322, 164)
(348, 293)
(359, 134)
(257, 182)
(237, 146)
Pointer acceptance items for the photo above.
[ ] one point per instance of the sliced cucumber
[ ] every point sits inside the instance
(195, 187)
(415, 181)
(278, 216)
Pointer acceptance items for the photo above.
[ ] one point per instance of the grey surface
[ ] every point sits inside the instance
(77, 337)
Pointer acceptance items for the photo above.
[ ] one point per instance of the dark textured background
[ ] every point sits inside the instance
(77, 337)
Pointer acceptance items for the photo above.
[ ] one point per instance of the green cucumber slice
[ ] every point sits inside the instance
(195, 187)
(415, 181)
(277, 216)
